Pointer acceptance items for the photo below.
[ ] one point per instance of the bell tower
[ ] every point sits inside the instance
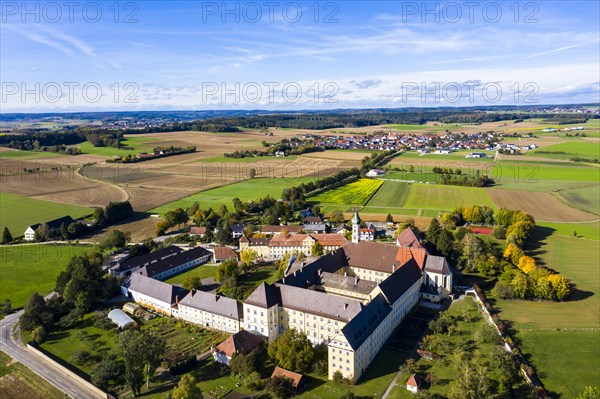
(355, 228)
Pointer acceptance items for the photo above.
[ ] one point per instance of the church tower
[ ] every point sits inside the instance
(355, 228)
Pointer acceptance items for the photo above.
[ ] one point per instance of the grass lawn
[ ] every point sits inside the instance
(20, 382)
(138, 144)
(17, 212)
(245, 190)
(455, 159)
(424, 128)
(23, 155)
(566, 361)
(587, 198)
(355, 193)
(202, 271)
(391, 194)
(32, 268)
(442, 197)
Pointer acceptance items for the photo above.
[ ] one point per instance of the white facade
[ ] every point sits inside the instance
(29, 234)
(152, 303)
(208, 319)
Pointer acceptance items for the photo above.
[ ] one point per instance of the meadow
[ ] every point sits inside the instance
(585, 198)
(23, 155)
(32, 268)
(355, 193)
(440, 197)
(561, 338)
(583, 149)
(245, 190)
(390, 194)
(18, 211)
(135, 143)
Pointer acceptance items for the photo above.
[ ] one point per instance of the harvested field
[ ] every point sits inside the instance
(13, 387)
(542, 206)
(140, 228)
(59, 184)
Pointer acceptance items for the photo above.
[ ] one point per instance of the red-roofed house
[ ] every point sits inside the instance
(414, 383)
(242, 342)
(297, 379)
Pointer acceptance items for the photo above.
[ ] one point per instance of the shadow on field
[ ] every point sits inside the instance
(535, 245)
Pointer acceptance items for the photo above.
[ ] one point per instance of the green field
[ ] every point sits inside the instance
(440, 197)
(32, 268)
(391, 194)
(17, 212)
(355, 193)
(456, 158)
(245, 190)
(590, 230)
(549, 331)
(567, 361)
(137, 144)
(586, 198)
(23, 155)
(571, 149)
(424, 128)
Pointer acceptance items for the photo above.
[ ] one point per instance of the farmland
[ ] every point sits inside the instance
(588, 149)
(438, 197)
(244, 190)
(19, 211)
(391, 194)
(355, 193)
(542, 206)
(134, 143)
(22, 155)
(32, 268)
(587, 198)
(19, 382)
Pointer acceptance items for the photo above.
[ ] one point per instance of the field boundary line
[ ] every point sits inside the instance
(557, 195)
(123, 191)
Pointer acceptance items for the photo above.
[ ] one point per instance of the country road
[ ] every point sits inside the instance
(11, 344)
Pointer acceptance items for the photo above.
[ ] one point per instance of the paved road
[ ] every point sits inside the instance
(11, 344)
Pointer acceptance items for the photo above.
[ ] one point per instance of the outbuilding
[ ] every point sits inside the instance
(120, 318)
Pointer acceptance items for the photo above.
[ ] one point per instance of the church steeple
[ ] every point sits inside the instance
(355, 228)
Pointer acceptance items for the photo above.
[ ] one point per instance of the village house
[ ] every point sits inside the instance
(240, 343)
(222, 253)
(276, 230)
(53, 227)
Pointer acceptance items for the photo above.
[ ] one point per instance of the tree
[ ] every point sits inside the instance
(292, 351)
(38, 335)
(64, 232)
(513, 253)
(176, 217)
(433, 231)
(589, 393)
(187, 388)
(445, 242)
(280, 387)
(141, 354)
(35, 313)
(527, 264)
(521, 286)
(389, 218)
(192, 283)
(248, 256)
(7, 308)
(254, 382)
(161, 228)
(6, 236)
(251, 173)
(336, 216)
(107, 369)
(116, 239)
(227, 270)
(317, 249)
(560, 286)
(243, 365)
(42, 233)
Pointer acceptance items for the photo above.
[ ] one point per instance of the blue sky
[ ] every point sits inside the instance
(296, 55)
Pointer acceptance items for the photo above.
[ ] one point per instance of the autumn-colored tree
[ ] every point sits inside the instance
(248, 256)
(527, 264)
(513, 253)
(560, 285)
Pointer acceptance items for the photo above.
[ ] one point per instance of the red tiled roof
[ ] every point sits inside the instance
(295, 377)
(414, 381)
(223, 252)
(242, 342)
